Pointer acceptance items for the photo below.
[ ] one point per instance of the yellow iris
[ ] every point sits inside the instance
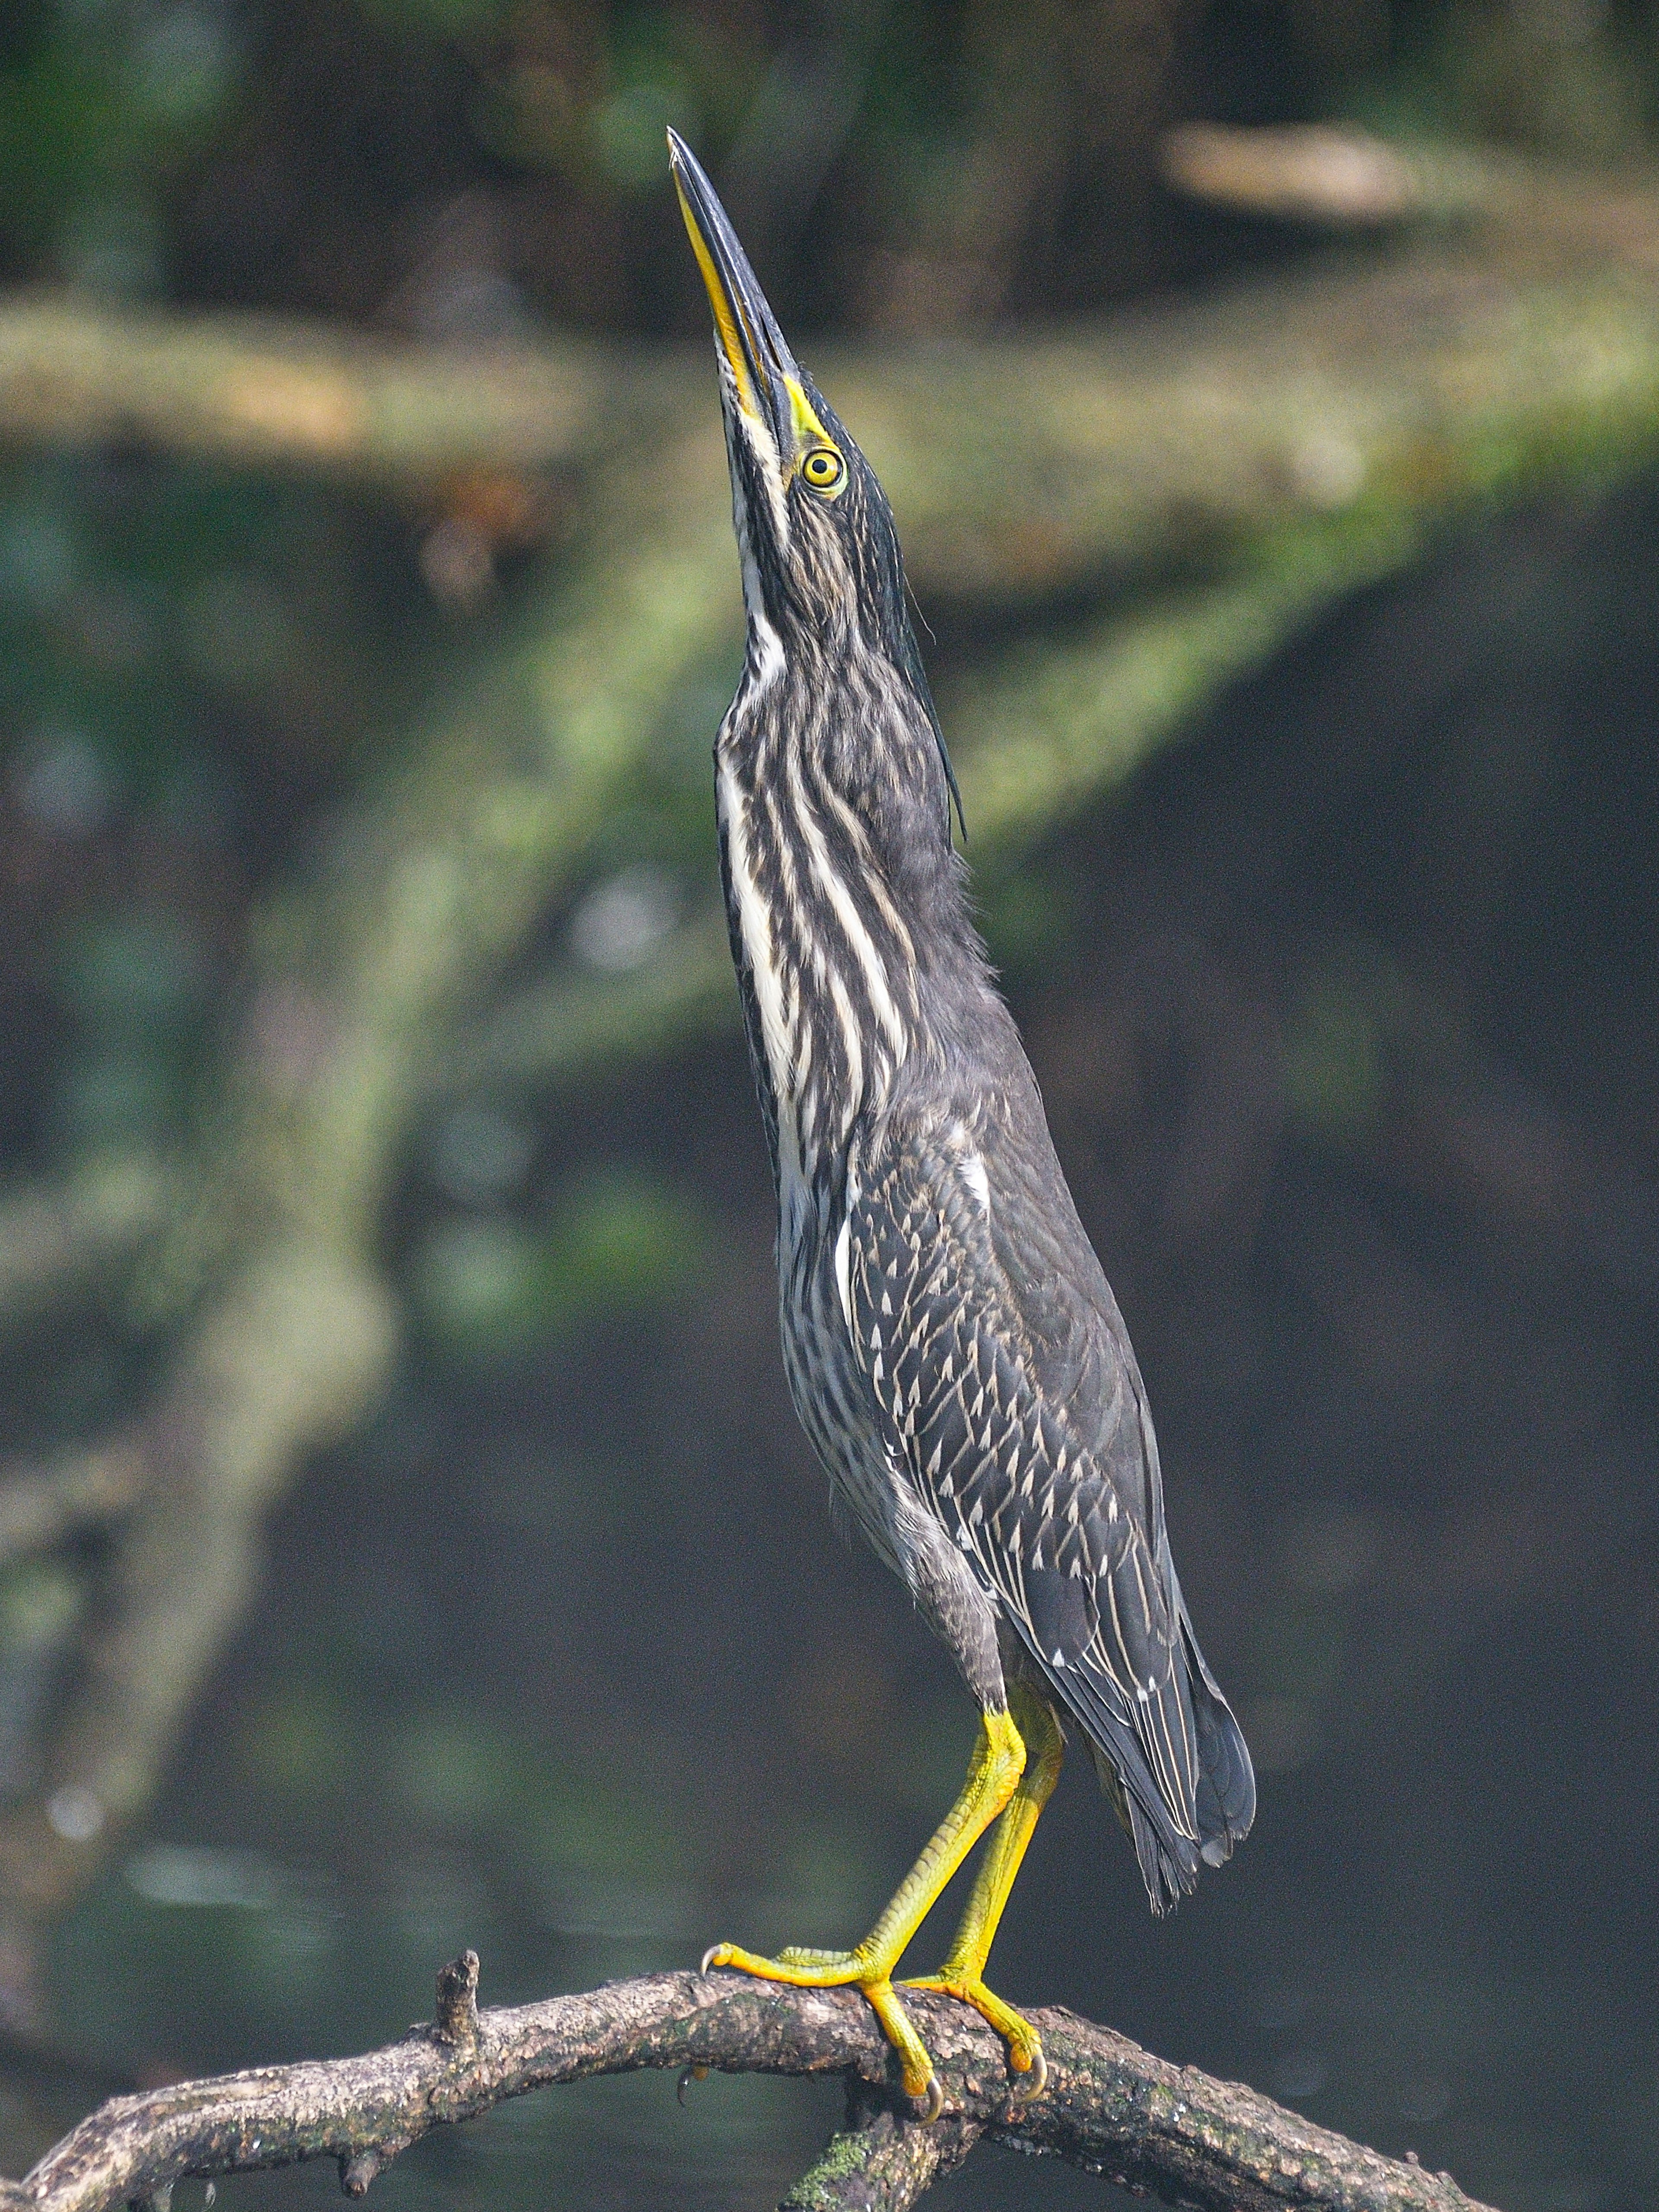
(825, 469)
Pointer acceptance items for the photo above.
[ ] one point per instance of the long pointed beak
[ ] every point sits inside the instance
(763, 368)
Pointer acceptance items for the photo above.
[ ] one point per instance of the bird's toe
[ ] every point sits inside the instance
(1025, 2058)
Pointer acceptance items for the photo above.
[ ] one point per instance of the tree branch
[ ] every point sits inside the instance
(1110, 2107)
(883, 2161)
(1341, 178)
(1029, 464)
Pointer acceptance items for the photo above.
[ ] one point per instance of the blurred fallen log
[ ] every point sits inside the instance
(1314, 172)
(1513, 206)
(1110, 2106)
(263, 392)
(1438, 369)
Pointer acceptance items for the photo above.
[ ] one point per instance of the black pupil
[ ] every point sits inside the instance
(822, 467)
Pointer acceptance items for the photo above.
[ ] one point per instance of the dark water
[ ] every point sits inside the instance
(1346, 1018)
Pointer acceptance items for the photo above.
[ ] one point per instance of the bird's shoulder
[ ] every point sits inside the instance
(958, 1209)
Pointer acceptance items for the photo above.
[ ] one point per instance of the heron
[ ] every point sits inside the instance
(953, 1349)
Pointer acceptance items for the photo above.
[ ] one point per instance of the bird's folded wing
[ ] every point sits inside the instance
(1010, 1399)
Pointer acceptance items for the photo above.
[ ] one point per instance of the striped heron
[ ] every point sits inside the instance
(953, 1349)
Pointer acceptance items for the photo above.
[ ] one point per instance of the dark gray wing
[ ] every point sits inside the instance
(1011, 1398)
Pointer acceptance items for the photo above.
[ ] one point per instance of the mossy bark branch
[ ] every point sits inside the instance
(883, 2161)
(1110, 2106)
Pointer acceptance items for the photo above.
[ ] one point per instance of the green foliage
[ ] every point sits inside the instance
(1578, 79)
(101, 107)
(492, 1286)
(147, 144)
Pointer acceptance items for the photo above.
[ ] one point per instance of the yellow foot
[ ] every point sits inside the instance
(1025, 2044)
(827, 1970)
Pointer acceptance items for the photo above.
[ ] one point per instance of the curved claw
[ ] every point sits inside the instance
(1035, 2080)
(715, 1955)
(931, 2101)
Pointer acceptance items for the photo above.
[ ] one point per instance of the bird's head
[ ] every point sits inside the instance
(820, 555)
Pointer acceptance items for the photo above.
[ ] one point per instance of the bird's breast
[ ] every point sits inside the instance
(826, 956)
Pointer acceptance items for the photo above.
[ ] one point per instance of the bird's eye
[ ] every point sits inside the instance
(825, 469)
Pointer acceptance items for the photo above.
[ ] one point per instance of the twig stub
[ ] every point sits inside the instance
(458, 2005)
(363, 2167)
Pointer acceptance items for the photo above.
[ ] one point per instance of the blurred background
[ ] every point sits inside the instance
(405, 1540)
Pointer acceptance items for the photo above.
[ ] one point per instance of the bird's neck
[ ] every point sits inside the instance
(850, 931)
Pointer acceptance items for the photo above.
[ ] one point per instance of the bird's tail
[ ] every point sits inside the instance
(1169, 1863)
(1224, 1795)
(1224, 1800)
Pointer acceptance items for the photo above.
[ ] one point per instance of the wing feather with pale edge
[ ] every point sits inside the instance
(1011, 1398)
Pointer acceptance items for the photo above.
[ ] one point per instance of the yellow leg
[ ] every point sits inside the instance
(962, 1974)
(994, 1774)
